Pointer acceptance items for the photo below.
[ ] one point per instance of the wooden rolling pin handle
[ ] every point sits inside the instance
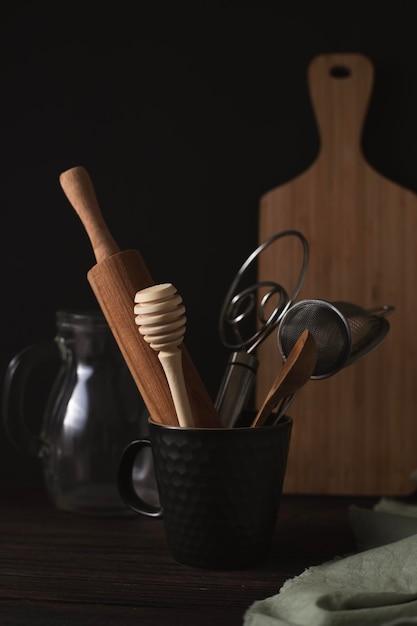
(79, 190)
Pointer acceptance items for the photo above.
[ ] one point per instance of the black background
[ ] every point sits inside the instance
(183, 117)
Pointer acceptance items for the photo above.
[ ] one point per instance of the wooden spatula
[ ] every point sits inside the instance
(295, 372)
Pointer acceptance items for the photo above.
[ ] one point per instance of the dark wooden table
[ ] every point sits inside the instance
(59, 568)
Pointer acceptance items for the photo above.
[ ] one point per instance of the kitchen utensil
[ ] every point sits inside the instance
(295, 372)
(341, 339)
(368, 327)
(282, 409)
(243, 333)
(160, 317)
(329, 328)
(361, 228)
(115, 279)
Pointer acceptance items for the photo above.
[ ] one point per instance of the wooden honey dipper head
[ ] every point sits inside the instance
(160, 316)
(161, 320)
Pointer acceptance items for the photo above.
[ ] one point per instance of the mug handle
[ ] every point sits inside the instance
(125, 480)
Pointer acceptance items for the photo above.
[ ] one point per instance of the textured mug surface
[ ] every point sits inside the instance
(219, 490)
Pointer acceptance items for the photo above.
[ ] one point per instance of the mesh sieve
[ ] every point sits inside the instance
(330, 331)
(344, 332)
(368, 327)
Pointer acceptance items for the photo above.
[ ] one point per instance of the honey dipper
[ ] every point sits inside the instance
(160, 317)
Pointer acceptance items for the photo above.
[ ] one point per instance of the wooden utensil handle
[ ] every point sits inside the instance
(79, 190)
(172, 364)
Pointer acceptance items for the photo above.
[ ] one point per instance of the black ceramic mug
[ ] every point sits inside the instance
(219, 490)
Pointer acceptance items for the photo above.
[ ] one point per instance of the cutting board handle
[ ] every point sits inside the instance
(340, 88)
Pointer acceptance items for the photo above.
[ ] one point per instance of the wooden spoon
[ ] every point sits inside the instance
(294, 373)
(160, 316)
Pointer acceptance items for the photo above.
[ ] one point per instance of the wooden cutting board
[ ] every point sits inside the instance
(355, 432)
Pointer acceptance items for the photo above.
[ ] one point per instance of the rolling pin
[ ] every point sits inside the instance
(115, 279)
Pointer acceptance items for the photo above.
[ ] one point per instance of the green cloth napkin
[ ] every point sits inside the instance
(375, 587)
